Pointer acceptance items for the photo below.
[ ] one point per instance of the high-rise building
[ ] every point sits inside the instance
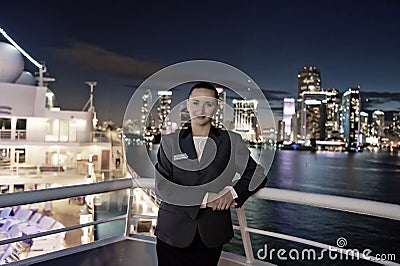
(219, 115)
(245, 120)
(378, 124)
(308, 82)
(319, 116)
(146, 118)
(163, 109)
(396, 124)
(289, 111)
(351, 118)
(332, 110)
(313, 119)
(281, 131)
(364, 127)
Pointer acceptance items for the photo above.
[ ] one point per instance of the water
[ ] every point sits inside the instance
(373, 176)
(365, 175)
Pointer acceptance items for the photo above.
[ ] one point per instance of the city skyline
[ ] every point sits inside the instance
(121, 45)
(321, 115)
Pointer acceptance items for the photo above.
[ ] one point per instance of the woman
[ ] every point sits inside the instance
(194, 179)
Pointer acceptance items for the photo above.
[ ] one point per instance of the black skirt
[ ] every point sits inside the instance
(197, 253)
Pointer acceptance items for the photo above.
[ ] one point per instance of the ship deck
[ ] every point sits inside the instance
(134, 250)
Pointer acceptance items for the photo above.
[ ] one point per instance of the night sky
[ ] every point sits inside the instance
(119, 44)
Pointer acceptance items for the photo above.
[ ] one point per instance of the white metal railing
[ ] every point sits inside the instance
(5, 134)
(34, 196)
(346, 204)
(361, 206)
(99, 137)
(20, 134)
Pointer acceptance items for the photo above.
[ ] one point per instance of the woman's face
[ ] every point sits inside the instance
(202, 106)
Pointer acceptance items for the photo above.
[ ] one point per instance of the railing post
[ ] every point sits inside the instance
(248, 249)
(128, 213)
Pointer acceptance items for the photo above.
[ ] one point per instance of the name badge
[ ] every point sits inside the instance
(181, 156)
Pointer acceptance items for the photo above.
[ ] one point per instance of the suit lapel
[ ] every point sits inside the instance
(211, 147)
(187, 145)
(215, 135)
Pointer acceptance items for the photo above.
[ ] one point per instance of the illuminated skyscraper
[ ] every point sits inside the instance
(319, 116)
(281, 131)
(332, 107)
(163, 109)
(396, 124)
(146, 117)
(308, 115)
(245, 118)
(351, 118)
(364, 130)
(313, 120)
(288, 115)
(219, 116)
(378, 124)
(308, 80)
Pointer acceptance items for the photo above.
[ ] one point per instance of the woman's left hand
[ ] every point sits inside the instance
(223, 201)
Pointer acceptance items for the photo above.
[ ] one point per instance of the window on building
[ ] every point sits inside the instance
(5, 128)
(21, 124)
(57, 130)
(64, 130)
(5, 123)
(20, 155)
(21, 129)
(52, 130)
(4, 157)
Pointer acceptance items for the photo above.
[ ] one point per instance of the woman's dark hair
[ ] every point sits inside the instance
(204, 85)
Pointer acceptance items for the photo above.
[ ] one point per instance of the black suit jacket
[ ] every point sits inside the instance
(182, 182)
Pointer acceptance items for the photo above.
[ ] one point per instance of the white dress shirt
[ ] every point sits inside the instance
(199, 144)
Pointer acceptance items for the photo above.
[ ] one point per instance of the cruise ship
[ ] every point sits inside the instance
(52, 155)
(43, 146)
